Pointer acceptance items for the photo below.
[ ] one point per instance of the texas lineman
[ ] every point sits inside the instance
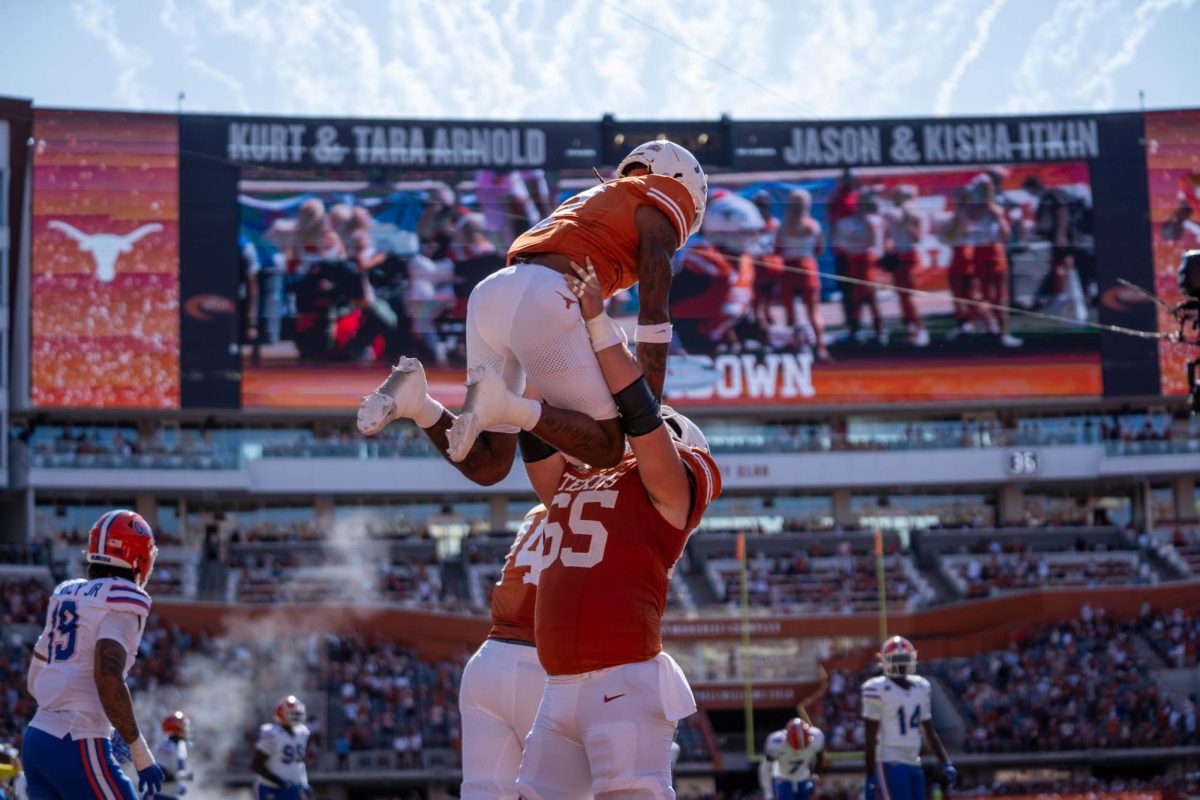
(790, 758)
(524, 323)
(77, 675)
(279, 754)
(613, 697)
(502, 683)
(896, 708)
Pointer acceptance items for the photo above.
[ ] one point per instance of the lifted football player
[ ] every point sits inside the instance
(523, 323)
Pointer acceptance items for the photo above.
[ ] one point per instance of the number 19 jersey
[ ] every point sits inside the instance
(900, 710)
(607, 561)
(61, 679)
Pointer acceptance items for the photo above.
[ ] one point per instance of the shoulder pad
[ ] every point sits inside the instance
(125, 596)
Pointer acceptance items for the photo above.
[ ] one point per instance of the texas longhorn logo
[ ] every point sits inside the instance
(105, 247)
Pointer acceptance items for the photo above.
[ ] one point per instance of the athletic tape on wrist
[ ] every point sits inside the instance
(639, 408)
(533, 448)
(653, 334)
(603, 332)
(141, 754)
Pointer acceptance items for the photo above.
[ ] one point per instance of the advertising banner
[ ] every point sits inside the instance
(1173, 175)
(105, 282)
(840, 263)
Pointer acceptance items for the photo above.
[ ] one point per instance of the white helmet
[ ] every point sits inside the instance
(683, 430)
(661, 157)
(735, 224)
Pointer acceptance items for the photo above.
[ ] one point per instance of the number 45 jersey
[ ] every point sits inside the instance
(606, 564)
(900, 711)
(80, 613)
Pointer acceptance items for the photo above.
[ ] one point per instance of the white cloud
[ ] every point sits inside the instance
(983, 29)
(98, 19)
(1098, 89)
(181, 22)
(1056, 45)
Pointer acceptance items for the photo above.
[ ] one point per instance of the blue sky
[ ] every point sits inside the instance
(798, 59)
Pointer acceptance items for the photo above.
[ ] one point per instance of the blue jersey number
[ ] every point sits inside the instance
(63, 622)
(292, 754)
(909, 722)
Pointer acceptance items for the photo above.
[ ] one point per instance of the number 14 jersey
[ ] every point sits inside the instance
(900, 710)
(606, 563)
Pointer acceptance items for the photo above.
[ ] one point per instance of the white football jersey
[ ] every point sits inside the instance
(793, 751)
(285, 751)
(171, 755)
(80, 613)
(900, 711)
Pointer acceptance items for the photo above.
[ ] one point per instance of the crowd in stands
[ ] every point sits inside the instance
(997, 573)
(1076, 685)
(1174, 636)
(838, 712)
(23, 602)
(845, 584)
(109, 447)
(389, 698)
(220, 448)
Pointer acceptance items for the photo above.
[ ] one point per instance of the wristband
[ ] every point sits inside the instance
(141, 754)
(533, 448)
(429, 413)
(653, 334)
(639, 408)
(603, 332)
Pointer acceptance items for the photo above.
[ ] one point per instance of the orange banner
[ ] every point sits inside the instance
(105, 287)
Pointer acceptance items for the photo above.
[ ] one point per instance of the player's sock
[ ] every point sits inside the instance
(489, 404)
(405, 393)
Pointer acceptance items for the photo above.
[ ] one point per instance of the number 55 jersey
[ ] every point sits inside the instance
(607, 562)
(80, 613)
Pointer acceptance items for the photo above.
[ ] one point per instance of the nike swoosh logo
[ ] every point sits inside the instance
(608, 699)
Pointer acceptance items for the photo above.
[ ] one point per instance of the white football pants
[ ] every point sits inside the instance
(607, 733)
(524, 321)
(498, 699)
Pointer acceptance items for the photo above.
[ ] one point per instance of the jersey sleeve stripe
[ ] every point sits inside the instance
(709, 482)
(672, 207)
(121, 591)
(129, 601)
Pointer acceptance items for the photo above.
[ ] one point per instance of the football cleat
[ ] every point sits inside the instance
(489, 404)
(122, 538)
(403, 394)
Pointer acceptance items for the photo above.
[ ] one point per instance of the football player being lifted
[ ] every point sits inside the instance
(524, 323)
(896, 708)
(612, 700)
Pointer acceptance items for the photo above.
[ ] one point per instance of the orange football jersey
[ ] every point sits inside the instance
(514, 596)
(603, 586)
(599, 223)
